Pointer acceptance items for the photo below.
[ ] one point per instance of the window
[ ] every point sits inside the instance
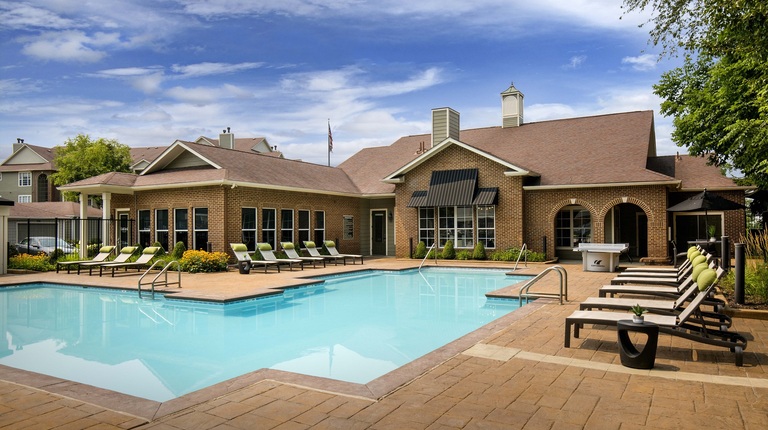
(573, 225)
(456, 224)
(180, 232)
(486, 226)
(427, 226)
(303, 227)
(25, 198)
(286, 225)
(248, 216)
(201, 228)
(144, 228)
(161, 227)
(42, 188)
(25, 179)
(268, 226)
(319, 227)
(349, 227)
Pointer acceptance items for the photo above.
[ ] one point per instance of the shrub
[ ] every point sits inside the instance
(161, 252)
(202, 261)
(755, 282)
(39, 262)
(464, 254)
(12, 251)
(421, 250)
(178, 251)
(56, 255)
(479, 252)
(449, 253)
(511, 254)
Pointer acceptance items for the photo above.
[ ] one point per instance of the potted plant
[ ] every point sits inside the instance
(637, 312)
(711, 229)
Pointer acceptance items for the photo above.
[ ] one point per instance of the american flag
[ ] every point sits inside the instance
(330, 138)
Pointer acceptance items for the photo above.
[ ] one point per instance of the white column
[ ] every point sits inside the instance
(83, 226)
(106, 210)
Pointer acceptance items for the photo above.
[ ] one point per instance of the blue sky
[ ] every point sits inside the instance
(148, 72)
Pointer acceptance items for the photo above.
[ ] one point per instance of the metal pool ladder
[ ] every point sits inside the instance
(526, 294)
(522, 254)
(164, 282)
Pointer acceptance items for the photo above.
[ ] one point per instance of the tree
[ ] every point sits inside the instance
(82, 158)
(719, 97)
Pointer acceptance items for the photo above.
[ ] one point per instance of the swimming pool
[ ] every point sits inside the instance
(352, 328)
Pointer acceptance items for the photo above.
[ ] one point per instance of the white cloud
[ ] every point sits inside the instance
(16, 15)
(69, 46)
(206, 69)
(575, 62)
(642, 63)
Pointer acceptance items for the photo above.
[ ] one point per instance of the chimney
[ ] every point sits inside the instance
(19, 143)
(445, 124)
(227, 139)
(511, 107)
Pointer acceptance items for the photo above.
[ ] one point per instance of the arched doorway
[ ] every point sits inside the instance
(628, 223)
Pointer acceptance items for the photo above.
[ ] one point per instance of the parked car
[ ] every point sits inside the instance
(43, 244)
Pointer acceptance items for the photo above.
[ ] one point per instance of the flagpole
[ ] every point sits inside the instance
(330, 142)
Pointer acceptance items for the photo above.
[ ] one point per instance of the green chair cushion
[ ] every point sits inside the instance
(288, 245)
(309, 244)
(693, 255)
(330, 244)
(128, 250)
(706, 278)
(106, 248)
(691, 250)
(150, 250)
(699, 259)
(698, 269)
(265, 247)
(239, 247)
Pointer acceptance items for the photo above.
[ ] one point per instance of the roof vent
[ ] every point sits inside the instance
(227, 139)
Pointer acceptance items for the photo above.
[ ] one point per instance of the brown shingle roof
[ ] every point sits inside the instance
(46, 210)
(692, 171)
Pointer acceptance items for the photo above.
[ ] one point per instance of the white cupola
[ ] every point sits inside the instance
(511, 107)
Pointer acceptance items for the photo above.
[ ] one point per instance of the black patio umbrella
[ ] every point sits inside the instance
(705, 201)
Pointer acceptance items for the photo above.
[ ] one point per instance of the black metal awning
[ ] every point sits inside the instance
(486, 197)
(454, 188)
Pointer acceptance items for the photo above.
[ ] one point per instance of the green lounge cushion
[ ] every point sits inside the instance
(150, 250)
(691, 249)
(128, 250)
(706, 278)
(309, 244)
(693, 255)
(265, 247)
(288, 246)
(106, 248)
(698, 260)
(239, 247)
(698, 269)
(330, 244)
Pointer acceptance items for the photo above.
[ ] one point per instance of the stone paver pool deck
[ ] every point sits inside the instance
(513, 373)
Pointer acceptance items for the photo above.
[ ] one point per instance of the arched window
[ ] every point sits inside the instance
(42, 188)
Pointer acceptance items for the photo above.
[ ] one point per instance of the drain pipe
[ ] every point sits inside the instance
(738, 286)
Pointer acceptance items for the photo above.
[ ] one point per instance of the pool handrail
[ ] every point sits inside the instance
(522, 254)
(165, 272)
(427, 256)
(563, 294)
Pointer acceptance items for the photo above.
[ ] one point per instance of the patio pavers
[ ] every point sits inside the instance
(519, 376)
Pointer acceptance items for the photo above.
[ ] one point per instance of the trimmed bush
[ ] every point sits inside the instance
(178, 251)
(203, 262)
(449, 253)
(479, 252)
(464, 254)
(421, 250)
(161, 252)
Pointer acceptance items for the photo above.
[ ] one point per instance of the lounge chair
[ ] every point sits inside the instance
(662, 270)
(243, 257)
(104, 253)
(142, 262)
(669, 306)
(267, 254)
(314, 252)
(290, 251)
(680, 272)
(669, 290)
(672, 280)
(331, 247)
(680, 325)
(122, 257)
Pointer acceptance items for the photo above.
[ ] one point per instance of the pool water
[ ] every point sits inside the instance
(351, 328)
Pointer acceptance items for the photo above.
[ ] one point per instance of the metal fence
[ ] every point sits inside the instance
(98, 231)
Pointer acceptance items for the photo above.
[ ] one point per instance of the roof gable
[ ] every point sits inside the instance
(29, 154)
(396, 176)
(177, 156)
